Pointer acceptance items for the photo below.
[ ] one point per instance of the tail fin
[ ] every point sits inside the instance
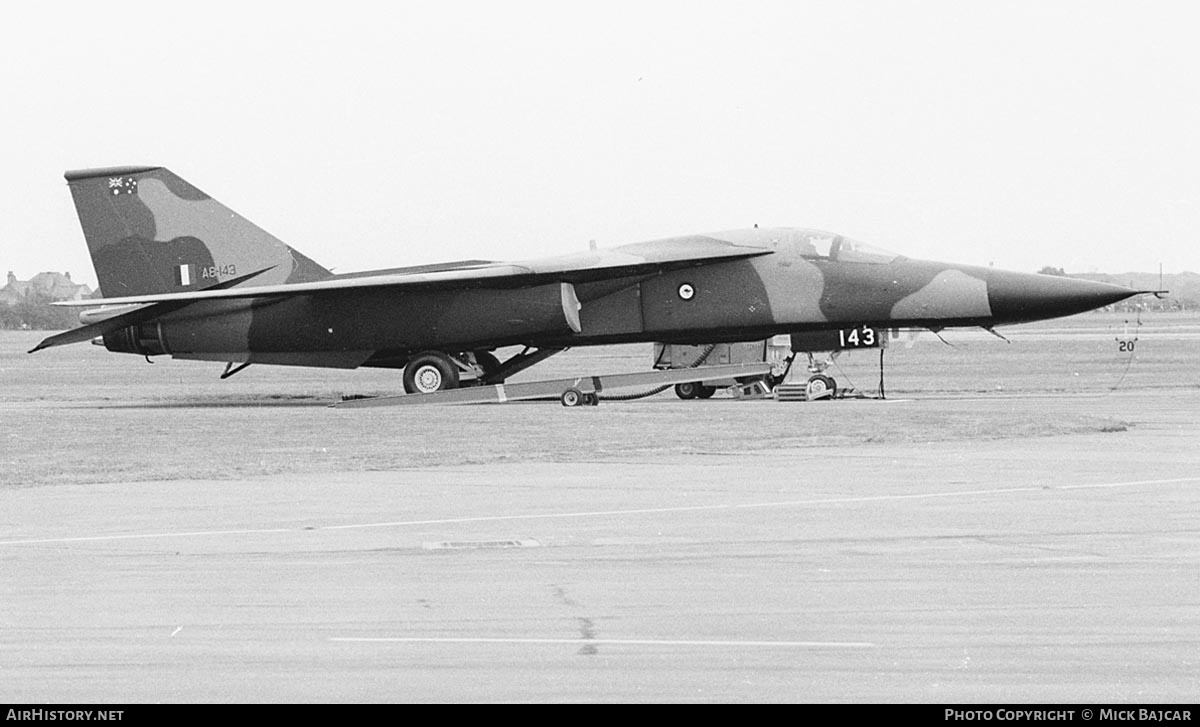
(149, 231)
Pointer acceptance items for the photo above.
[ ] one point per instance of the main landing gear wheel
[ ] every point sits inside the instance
(429, 372)
(689, 390)
(820, 387)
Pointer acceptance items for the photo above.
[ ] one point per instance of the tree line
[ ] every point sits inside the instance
(35, 312)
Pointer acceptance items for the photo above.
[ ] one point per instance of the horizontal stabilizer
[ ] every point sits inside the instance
(108, 325)
(132, 318)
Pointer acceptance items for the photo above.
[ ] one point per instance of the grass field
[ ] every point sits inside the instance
(81, 414)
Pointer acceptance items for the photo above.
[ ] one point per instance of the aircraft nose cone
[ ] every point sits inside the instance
(1017, 297)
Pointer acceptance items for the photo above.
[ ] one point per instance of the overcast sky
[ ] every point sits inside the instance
(1019, 134)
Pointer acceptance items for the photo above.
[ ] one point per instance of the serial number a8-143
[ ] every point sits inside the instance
(219, 271)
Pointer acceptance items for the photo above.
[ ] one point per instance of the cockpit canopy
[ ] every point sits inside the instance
(828, 246)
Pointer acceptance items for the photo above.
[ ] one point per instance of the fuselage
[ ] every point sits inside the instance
(805, 280)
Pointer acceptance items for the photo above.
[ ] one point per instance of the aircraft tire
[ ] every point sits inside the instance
(820, 387)
(705, 392)
(428, 372)
(688, 390)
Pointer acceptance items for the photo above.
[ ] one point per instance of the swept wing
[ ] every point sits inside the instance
(589, 266)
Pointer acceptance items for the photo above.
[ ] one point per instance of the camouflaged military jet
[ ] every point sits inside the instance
(183, 275)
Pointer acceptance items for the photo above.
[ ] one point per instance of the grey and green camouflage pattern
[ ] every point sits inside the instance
(197, 281)
(149, 231)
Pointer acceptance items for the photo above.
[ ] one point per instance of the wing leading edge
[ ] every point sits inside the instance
(589, 266)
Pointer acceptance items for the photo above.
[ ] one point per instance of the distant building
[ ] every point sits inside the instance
(54, 286)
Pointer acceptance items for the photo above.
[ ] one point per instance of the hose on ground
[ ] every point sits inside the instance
(660, 389)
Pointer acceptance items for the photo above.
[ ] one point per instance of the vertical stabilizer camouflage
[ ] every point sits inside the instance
(149, 231)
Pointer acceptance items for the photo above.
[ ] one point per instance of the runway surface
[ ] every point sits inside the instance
(950, 548)
(1049, 569)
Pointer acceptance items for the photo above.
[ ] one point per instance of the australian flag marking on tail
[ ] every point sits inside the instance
(122, 185)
